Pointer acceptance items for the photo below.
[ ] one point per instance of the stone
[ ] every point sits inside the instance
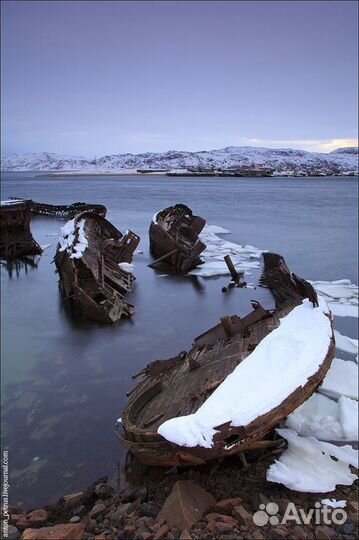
(75, 519)
(132, 494)
(256, 535)
(299, 533)
(147, 535)
(220, 528)
(103, 491)
(97, 510)
(185, 505)
(22, 522)
(280, 531)
(79, 510)
(347, 528)
(226, 506)
(129, 530)
(12, 533)
(37, 517)
(74, 499)
(148, 510)
(62, 531)
(242, 515)
(353, 506)
(117, 516)
(324, 533)
(162, 532)
(185, 535)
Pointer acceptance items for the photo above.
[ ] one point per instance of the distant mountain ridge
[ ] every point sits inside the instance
(339, 161)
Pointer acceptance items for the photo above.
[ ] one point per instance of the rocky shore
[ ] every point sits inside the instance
(213, 501)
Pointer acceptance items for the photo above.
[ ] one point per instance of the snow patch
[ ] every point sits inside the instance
(127, 267)
(73, 239)
(334, 503)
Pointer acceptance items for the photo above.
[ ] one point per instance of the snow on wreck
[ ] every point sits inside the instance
(174, 238)
(240, 379)
(93, 260)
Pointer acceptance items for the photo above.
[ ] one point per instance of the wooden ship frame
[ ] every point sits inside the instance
(16, 238)
(92, 279)
(180, 385)
(65, 211)
(174, 238)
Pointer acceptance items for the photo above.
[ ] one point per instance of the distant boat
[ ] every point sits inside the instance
(174, 238)
(93, 260)
(179, 386)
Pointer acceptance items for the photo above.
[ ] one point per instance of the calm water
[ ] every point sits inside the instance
(64, 382)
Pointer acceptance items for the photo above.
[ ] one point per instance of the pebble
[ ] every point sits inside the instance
(75, 519)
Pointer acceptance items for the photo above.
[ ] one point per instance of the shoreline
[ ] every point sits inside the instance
(171, 175)
(228, 494)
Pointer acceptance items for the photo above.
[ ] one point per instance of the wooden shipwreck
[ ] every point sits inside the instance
(92, 260)
(174, 238)
(180, 385)
(16, 238)
(65, 211)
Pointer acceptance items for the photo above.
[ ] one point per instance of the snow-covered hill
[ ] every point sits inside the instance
(340, 161)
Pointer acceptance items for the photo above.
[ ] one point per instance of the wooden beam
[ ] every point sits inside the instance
(162, 258)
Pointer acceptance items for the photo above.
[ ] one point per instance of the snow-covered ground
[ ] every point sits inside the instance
(340, 161)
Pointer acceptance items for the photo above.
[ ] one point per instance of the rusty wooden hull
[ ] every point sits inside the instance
(65, 211)
(174, 238)
(16, 238)
(180, 385)
(94, 283)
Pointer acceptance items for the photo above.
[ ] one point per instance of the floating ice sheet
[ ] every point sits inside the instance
(326, 419)
(341, 296)
(341, 379)
(345, 343)
(307, 464)
(244, 257)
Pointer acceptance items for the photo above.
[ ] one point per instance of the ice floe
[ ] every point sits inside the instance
(345, 343)
(308, 465)
(326, 419)
(341, 296)
(244, 257)
(341, 380)
(281, 362)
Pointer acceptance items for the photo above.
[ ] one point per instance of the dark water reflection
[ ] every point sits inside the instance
(64, 381)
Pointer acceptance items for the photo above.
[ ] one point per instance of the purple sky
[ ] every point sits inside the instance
(91, 78)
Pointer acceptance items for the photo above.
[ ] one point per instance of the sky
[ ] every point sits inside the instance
(105, 77)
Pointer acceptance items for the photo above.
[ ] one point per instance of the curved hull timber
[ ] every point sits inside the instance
(174, 238)
(94, 283)
(177, 387)
(65, 211)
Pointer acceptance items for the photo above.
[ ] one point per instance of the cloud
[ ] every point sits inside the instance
(312, 145)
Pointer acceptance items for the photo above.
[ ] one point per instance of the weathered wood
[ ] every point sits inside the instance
(65, 211)
(180, 385)
(16, 238)
(94, 282)
(235, 275)
(162, 258)
(174, 238)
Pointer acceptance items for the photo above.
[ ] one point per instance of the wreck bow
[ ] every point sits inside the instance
(174, 238)
(172, 391)
(93, 261)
